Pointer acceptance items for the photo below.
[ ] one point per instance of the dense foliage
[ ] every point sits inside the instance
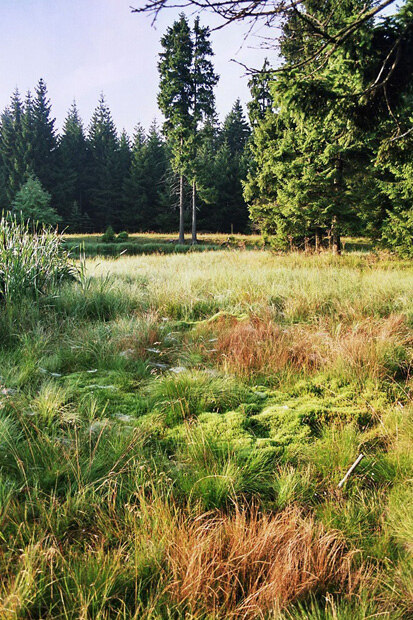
(329, 154)
(332, 138)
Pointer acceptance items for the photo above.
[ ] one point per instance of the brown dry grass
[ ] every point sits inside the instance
(260, 346)
(249, 565)
(136, 337)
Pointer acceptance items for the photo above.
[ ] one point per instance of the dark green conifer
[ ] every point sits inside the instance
(103, 187)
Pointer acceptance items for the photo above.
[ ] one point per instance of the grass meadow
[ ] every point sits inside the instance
(173, 429)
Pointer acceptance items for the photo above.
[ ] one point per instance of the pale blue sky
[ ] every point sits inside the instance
(84, 47)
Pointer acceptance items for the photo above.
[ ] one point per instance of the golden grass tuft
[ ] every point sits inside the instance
(134, 335)
(248, 565)
(260, 346)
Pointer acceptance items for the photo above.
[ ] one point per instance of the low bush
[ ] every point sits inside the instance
(109, 235)
(122, 236)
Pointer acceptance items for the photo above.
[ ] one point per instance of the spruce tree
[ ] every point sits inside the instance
(230, 167)
(44, 160)
(12, 147)
(157, 173)
(103, 190)
(4, 204)
(235, 130)
(186, 98)
(146, 190)
(175, 99)
(203, 99)
(206, 176)
(121, 172)
(73, 157)
(28, 135)
(135, 201)
(261, 99)
(32, 203)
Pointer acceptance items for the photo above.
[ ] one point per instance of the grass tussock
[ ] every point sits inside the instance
(375, 349)
(248, 565)
(31, 261)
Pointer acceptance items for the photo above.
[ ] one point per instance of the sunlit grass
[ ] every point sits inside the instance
(173, 430)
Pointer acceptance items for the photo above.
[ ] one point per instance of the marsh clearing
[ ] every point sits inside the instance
(174, 428)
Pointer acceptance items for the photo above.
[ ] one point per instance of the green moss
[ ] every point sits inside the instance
(282, 424)
(228, 428)
(113, 393)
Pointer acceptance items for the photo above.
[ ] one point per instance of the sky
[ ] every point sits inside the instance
(85, 47)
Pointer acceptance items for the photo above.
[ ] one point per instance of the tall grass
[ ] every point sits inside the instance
(173, 430)
(250, 565)
(32, 261)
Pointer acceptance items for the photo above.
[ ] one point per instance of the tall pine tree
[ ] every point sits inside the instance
(44, 158)
(12, 147)
(175, 99)
(204, 80)
(103, 190)
(73, 156)
(123, 163)
(186, 98)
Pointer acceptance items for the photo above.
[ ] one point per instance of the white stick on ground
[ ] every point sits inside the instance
(350, 471)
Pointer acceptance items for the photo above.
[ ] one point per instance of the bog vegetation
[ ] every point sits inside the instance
(174, 428)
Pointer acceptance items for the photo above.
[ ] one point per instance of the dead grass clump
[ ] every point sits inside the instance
(370, 348)
(135, 336)
(258, 345)
(377, 348)
(250, 564)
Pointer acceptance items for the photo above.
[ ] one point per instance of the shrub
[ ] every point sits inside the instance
(122, 236)
(32, 202)
(109, 235)
(30, 263)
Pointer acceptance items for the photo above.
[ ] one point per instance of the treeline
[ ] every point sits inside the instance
(332, 140)
(89, 179)
(329, 153)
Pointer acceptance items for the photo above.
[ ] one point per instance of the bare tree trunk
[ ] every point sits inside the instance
(181, 210)
(330, 240)
(317, 240)
(194, 239)
(337, 244)
(306, 244)
(336, 236)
